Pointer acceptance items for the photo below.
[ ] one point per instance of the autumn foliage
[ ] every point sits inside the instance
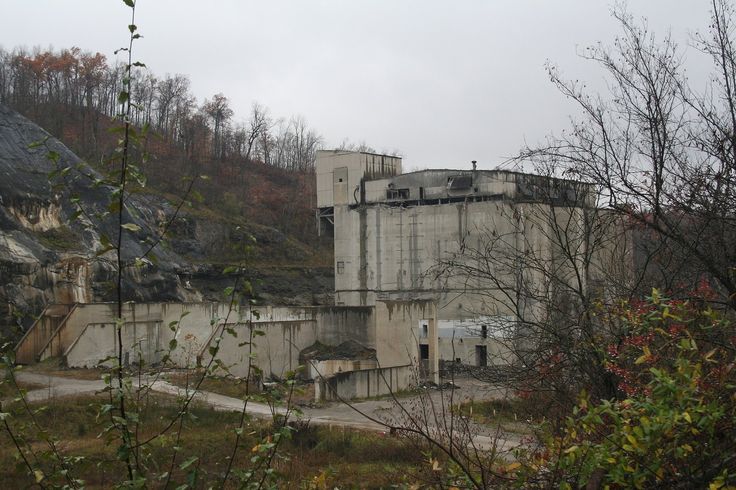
(259, 168)
(674, 425)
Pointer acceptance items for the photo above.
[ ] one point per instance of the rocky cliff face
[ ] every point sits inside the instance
(46, 256)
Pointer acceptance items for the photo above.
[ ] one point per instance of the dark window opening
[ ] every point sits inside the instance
(397, 194)
(424, 352)
(481, 355)
(484, 331)
(459, 182)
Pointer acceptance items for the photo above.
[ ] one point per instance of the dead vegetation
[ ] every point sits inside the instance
(312, 455)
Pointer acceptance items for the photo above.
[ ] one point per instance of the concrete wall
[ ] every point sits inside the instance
(339, 173)
(41, 333)
(97, 344)
(365, 384)
(388, 252)
(81, 315)
(433, 184)
(397, 324)
(392, 252)
(88, 338)
(88, 335)
(275, 349)
(325, 369)
(338, 324)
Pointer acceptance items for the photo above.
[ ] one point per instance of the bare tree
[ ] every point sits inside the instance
(549, 262)
(663, 154)
(650, 204)
(219, 111)
(169, 91)
(258, 125)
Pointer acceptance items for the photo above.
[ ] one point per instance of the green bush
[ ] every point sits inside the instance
(675, 424)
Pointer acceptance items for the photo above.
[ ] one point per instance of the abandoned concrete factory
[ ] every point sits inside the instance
(396, 314)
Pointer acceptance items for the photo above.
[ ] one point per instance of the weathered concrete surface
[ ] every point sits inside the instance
(272, 338)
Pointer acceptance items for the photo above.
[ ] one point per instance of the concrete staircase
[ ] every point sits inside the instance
(43, 332)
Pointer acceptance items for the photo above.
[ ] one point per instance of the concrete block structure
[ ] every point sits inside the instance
(393, 230)
(84, 335)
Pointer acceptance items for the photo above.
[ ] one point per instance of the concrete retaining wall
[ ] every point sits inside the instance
(365, 383)
(40, 333)
(87, 338)
(97, 345)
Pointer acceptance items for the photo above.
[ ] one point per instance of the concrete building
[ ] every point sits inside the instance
(84, 335)
(393, 231)
(397, 309)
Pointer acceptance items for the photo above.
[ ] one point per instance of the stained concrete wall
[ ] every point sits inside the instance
(275, 346)
(339, 174)
(433, 184)
(283, 332)
(391, 252)
(339, 324)
(388, 252)
(80, 317)
(326, 369)
(397, 325)
(88, 335)
(98, 344)
(365, 384)
(41, 333)
(88, 338)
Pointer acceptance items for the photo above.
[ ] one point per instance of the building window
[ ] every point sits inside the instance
(340, 267)
(423, 352)
(484, 331)
(459, 182)
(481, 356)
(425, 331)
(397, 193)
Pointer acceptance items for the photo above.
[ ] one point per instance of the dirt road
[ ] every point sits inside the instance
(429, 411)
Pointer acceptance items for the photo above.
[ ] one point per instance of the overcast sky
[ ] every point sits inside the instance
(441, 82)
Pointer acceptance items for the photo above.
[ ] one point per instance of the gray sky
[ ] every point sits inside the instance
(442, 82)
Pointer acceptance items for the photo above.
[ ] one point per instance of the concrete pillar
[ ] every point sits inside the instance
(434, 345)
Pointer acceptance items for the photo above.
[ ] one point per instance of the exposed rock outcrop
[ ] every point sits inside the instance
(47, 256)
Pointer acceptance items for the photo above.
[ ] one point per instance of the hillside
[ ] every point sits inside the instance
(46, 256)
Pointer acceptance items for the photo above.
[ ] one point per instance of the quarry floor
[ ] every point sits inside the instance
(429, 407)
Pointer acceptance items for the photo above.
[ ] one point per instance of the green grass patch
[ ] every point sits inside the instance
(9, 391)
(225, 385)
(513, 415)
(231, 386)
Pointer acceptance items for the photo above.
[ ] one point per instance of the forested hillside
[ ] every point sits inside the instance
(258, 166)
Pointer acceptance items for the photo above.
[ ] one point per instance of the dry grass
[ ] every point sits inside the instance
(8, 390)
(54, 367)
(235, 387)
(228, 386)
(342, 458)
(512, 415)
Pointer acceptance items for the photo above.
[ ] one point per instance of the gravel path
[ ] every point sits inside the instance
(358, 415)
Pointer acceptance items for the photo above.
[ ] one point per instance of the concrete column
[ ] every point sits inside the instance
(434, 346)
